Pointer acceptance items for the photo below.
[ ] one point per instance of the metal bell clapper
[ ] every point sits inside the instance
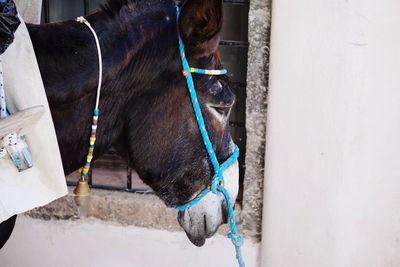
(82, 197)
(82, 188)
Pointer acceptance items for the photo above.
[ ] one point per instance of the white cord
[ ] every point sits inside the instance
(84, 21)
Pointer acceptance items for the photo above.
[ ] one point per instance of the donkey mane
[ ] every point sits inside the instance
(113, 7)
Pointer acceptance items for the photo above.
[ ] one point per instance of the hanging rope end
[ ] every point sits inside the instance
(81, 19)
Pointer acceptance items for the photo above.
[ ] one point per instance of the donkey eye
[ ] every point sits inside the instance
(222, 110)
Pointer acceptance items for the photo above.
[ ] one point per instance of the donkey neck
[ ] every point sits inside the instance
(131, 47)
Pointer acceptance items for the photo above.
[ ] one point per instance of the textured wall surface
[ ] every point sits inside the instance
(256, 112)
(333, 175)
(30, 10)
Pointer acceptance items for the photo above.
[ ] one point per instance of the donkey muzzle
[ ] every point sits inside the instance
(202, 220)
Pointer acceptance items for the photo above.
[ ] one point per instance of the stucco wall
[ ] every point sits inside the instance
(332, 194)
(256, 112)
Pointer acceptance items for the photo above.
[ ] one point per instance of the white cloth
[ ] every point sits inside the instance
(45, 181)
(30, 10)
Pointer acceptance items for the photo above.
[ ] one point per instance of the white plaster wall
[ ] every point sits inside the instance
(332, 188)
(94, 243)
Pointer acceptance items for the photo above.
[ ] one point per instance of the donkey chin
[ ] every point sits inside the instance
(202, 220)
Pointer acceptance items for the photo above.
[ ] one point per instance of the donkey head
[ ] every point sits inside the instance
(165, 145)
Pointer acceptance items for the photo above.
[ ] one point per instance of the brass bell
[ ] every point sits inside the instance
(82, 189)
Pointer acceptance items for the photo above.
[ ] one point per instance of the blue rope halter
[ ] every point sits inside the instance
(217, 183)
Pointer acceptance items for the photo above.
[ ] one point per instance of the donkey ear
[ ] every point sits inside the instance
(200, 25)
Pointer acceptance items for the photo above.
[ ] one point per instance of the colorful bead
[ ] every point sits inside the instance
(208, 72)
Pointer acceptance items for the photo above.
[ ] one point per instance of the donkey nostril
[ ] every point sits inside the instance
(205, 224)
(224, 213)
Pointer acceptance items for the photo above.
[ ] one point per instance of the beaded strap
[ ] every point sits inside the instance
(85, 169)
(208, 72)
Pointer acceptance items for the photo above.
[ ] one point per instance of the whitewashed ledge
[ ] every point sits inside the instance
(142, 210)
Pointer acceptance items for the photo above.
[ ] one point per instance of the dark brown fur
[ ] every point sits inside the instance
(145, 107)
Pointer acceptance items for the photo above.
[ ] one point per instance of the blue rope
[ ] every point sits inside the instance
(217, 183)
(205, 191)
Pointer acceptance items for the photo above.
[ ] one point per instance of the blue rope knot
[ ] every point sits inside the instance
(236, 239)
(217, 180)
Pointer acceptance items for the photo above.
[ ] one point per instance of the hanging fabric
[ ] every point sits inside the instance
(25, 96)
(12, 144)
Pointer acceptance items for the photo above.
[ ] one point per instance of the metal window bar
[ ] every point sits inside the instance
(46, 18)
(86, 7)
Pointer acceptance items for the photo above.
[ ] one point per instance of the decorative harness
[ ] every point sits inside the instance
(85, 169)
(217, 184)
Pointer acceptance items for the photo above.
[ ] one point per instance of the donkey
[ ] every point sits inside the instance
(145, 107)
